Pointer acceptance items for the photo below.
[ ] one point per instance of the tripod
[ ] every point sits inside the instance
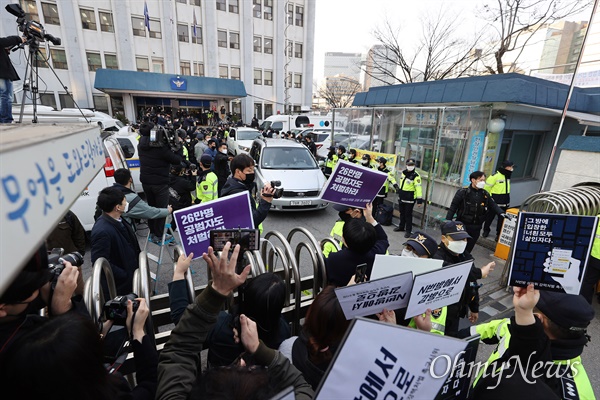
(31, 85)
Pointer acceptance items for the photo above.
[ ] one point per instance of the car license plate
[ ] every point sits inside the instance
(301, 203)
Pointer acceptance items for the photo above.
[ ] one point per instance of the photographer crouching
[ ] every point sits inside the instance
(158, 151)
(182, 182)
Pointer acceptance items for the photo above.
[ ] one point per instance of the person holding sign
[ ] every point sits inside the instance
(386, 186)
(409, 191)
(346, 214)
(242, 167)
(363, 239)
(452, 250)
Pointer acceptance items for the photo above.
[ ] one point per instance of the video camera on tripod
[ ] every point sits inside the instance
(33, 30)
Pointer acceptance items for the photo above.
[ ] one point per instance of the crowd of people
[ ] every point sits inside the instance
(251, 353)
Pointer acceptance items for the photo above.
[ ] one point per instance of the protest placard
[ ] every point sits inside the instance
(438, 289)
(551, 251)
(372, 297)
(378, 360)
(353, 185)
(458, 382)
(387, 265)
(195, 223)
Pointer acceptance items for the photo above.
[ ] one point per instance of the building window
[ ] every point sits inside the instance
(296, 109)
(257, 44)
(524, 150)
(223, 72)
(298, 50)
(258, 110)
(142, 64)
(222, 38)
(48, 99)
(198, 69)
(157, 65)
(31, 9)
(268, 110)
(198, 37)
(183, 33)
(101, 103)
(50, 12)
(288, 80)
(106, 21)
(268, 78)
(94, 61)
(88, 19)
(258, 77)
(234, 40)
(185, 68)
(236, 107)
(66, 101)
(42, 60)
(256, 8)
(290, 14)
(298, 81)
(139, 29)
(195, 2)
(110, 60)
(268, 10)
(268, 46)
(155, 31)
(59, 59)
(182, 1)
(234, 6)
(221, 6)
(287, 51)
(235, 73)
(299, 16)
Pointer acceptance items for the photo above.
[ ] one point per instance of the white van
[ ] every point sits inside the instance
(288, 122)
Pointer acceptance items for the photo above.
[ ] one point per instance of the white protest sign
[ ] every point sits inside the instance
(372, 297)
(383, 361)
(438, 289)
(388, 265)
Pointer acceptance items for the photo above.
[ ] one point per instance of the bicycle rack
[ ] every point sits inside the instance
(93, 292)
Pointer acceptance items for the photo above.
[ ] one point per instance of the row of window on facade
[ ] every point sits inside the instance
(268, 110)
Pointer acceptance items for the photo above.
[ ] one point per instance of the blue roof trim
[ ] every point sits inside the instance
(505, 88)
(117, 80)
(582, 143)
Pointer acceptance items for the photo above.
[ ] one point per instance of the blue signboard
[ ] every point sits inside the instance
(178, 83)
(474, 156)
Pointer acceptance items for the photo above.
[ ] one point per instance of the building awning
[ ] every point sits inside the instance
(151, 84)
(582, 118)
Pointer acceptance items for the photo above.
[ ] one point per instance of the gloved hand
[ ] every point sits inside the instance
(396, 187)
(419, 201)
(510, 217)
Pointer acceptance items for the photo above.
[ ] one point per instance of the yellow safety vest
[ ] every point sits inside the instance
(207, 189)
(390, 179)
(336, 233)
(497, 184)
(438, 321)
(407, 185)
(596, 243)
(331, 163)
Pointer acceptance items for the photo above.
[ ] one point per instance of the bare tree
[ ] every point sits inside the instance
(516, 22)
(440, 53)
(338, 91)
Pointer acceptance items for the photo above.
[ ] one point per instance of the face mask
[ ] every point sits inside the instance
(410, 168)
(480, 185)
(408, 253)
(351, 156)
(187, 140)
(457, 246)
(249, 178)
(126, 207)
(365, 162)
(224, 151)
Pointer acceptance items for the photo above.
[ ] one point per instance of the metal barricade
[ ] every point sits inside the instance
(93, 293)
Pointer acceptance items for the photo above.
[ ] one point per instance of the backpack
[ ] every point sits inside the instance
(384, 214)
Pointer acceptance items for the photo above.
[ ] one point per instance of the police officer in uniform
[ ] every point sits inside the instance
(341, 153)
(499, 187)
(385, 188)
(366, 161)
(592, 272)
(346, 214)
(208, 182)
(352, 156)
(330, 162)
(471, 205)
(409, 190)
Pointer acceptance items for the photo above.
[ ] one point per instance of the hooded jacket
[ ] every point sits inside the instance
(155, 162)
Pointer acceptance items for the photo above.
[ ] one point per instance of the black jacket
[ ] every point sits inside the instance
(470, 295)
(182, 186)
(7, 70)
(341, 265)
(116, 242)
(221, 163)
(471, 206)
(155, 162)
(259, 212)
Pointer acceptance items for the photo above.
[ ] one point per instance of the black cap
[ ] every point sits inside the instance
(507, 163)
(341, 207)
(455, 229)
(331, 147)
(206, 160)
(572, 312)
(422, 244)
(410, 161)
(382, 159)
(366, 157)
(342, 148)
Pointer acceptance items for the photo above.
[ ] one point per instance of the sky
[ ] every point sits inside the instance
(347, 25)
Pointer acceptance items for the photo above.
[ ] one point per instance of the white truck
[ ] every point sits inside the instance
(285, 123)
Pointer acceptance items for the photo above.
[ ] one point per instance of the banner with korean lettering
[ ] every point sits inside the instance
(195, 223)
(438, 289)
(372, 297)
(390, 158)
(551, 251)
(473, 156)
(378, 360)
(353, 185)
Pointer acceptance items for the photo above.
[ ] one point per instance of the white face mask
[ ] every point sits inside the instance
(457, 246)
(480, 185)
(365, 162)
(408, 253)
(224, 151)
(126, 207)
(410, 168)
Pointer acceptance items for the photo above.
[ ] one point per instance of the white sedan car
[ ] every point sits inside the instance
(241, 141)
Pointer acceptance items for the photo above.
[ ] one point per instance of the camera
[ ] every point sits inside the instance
(56, 264)
(33, 31)
(278, 190)
(161, 136)
(116, 309)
